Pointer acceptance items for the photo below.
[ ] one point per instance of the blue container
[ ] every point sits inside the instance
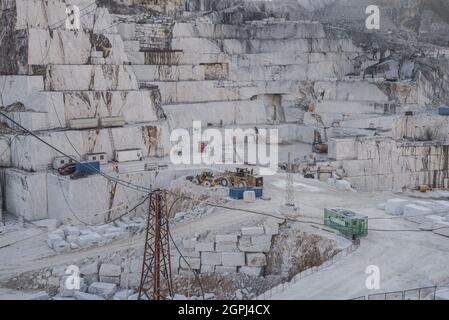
(87, 167)
(237, 193)
(443, 111)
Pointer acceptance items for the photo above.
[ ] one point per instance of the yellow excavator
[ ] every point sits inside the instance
(318, 145)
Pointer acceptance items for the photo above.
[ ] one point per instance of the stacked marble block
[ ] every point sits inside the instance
(417, 208)
(430, 215)
(243, 252)
(98, 281)
(64, 76)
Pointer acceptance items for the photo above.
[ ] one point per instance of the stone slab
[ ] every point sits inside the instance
(233, 259)
(251, 271)
(252, 231)
(211, 258)
(396, 206)
(256, 260)
(105, 290)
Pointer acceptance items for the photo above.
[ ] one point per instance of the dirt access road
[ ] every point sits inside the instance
(406, 259)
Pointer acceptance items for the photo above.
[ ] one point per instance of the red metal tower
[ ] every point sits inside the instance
(156, 279)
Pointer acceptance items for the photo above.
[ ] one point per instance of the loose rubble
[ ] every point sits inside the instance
(69, 238)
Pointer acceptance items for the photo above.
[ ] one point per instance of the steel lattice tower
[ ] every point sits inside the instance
(156, 278)
(289, 189)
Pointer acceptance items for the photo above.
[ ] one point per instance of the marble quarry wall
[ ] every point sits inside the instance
(57, 81)
(160, 65)
(376, 164)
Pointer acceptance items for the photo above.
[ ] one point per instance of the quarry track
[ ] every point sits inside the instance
(406, 259)
(29, 250)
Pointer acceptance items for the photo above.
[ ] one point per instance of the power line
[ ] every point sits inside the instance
(297, 220)
(50, 28)
(69, 141)
(84, 223)
(109, 27)
(119, 181)
(107, 222)
(198, 279)
(144, 189)
(81, 10)
(75, 215)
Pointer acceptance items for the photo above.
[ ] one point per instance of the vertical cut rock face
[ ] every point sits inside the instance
(294, 65)
(80, 83)
(312, 63)
(13, 43)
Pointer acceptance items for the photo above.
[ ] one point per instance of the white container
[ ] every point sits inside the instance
(128, 155)
(151, 166)
(109, 122)
(59, 162)
(102, 157)
(85, 123)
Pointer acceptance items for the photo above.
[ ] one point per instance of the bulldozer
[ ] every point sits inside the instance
(205, 179)
(241, 178)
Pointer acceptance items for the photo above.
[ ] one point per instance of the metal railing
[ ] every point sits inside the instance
(423, 293)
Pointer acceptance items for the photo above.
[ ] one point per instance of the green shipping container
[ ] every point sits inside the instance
(347, 222)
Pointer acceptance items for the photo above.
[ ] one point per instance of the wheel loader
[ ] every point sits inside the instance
(205, 179)
(240, 178)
